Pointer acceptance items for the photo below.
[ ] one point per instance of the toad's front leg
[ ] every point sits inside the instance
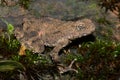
(55, 57)
(55, 52)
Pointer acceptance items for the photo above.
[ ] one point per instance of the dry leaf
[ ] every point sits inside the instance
(22, 50)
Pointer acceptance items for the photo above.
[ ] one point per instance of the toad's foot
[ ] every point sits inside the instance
(63, 69)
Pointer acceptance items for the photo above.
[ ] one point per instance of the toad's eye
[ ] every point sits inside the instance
(80, 27)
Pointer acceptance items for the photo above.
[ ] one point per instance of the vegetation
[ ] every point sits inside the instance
(97, 60)
(112, 5)
(25, 3)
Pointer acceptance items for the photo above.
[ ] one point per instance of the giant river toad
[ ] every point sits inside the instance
(37, 33)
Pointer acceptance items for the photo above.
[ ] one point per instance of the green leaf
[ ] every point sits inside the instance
(9, 65)
(10, 28)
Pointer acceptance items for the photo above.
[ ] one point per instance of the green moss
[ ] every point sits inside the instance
(96, 60)
(25, 3)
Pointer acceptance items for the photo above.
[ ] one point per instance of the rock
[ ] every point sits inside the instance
(37, 33)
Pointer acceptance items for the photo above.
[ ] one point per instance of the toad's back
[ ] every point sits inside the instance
(50, 32)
